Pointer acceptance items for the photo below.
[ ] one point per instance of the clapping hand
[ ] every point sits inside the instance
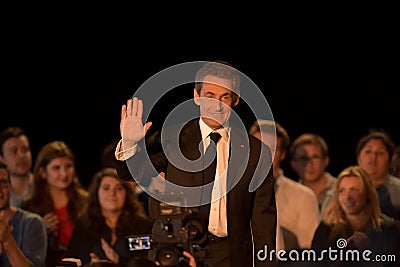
(51, 221)
(109, 251)
(358, 239)
(5, 232)
(111, 254)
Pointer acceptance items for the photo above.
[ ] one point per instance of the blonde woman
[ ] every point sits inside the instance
(354, 221)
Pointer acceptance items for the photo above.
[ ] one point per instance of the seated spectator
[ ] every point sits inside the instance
(23, 238)
(309, 159)
(58, 196)
(107, 160)
(113, 214)
(297, 205)
(374, 154)
(16, 152)
(354, 216)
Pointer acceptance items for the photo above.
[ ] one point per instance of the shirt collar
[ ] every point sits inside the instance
(206, 130)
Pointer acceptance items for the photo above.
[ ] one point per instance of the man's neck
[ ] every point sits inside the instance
(318, 184)
(379, 179)
(20, 183)
(215, 128)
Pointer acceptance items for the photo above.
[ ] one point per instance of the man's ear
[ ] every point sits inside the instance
(234, 104)
(196, 97)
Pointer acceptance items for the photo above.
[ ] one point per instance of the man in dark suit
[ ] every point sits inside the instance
(242, 213)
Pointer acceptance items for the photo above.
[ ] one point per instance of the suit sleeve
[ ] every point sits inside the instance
(264, 217)
(142, 166)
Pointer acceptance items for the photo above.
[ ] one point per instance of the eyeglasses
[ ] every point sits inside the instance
(305, 159)
(4, 183)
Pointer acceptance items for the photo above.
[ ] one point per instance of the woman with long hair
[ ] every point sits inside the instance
(353, 221)
(113, 213)
(58, 196)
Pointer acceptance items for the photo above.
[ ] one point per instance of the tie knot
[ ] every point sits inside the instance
(215, 137)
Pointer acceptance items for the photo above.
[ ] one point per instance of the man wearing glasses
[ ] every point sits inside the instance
(23, 238)
(309, 159)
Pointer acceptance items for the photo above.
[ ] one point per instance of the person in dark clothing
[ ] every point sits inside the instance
(113, 214)
(353, 223)
(235, 192)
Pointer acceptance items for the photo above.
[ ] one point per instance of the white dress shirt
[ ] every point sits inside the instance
(217, 223)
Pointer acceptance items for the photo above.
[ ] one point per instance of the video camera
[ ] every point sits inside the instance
(176, 228)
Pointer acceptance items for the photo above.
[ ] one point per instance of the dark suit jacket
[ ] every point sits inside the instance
(251, 213)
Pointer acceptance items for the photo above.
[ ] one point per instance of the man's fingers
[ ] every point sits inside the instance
(129, 107)
(139, 109)
(123, 111)
(135, 104)
(147, 127)
(133, 107)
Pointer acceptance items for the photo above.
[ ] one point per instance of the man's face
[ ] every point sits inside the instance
(216, 101)
(309, 162)
(4, 190)
(17, 154)
(374, 158)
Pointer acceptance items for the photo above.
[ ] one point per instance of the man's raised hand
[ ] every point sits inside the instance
(131, 126)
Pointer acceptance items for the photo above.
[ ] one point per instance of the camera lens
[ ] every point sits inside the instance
(168, 256)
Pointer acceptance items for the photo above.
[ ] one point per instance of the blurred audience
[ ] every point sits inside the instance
(23, 238)
(297, 205)
(374, 152)
(113, 214)
(309, 159)
(58, 196)
(16, 152)
(353, 221)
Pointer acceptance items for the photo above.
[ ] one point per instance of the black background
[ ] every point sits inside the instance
(70, 84)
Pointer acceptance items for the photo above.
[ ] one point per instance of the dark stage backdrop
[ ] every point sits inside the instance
(70, 85)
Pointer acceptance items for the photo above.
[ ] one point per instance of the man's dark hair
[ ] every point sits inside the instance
(220, 69)
(9, 133)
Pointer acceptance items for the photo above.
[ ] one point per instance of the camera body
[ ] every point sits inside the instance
(176, 228)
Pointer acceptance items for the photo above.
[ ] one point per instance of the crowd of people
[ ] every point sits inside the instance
(47, 215)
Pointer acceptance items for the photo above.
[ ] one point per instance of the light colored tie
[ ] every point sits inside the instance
(218, 218)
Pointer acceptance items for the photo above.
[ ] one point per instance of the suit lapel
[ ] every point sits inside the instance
(190, 139)
(239, 155)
